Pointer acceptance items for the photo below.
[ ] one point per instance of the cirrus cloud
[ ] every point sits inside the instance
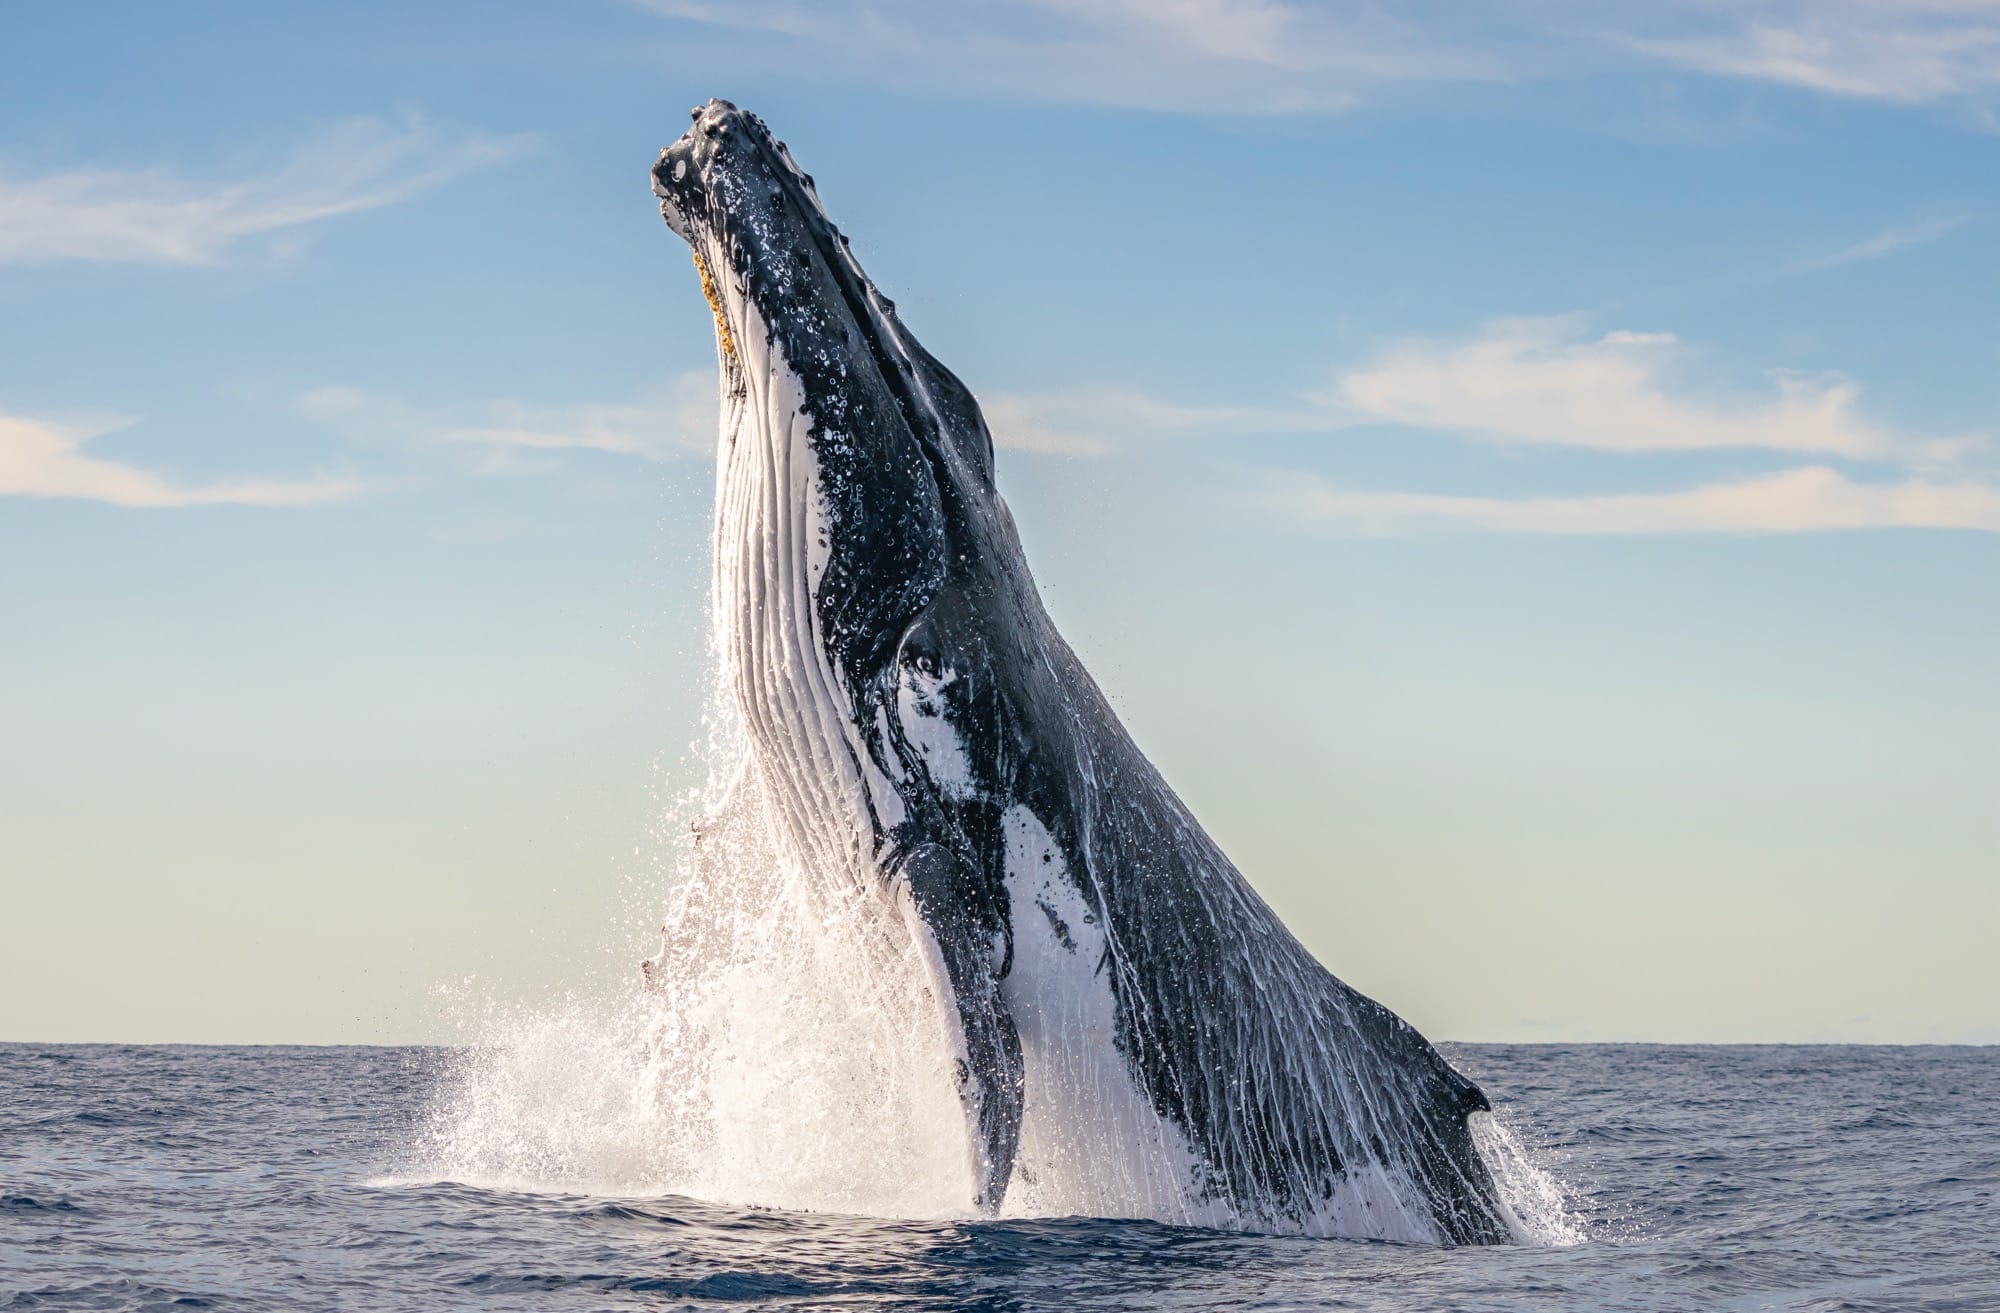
(1624, 394)
(1527, 381)
(1812, 499)
(149, 216)
(39, 458)
(511, 436)
(1906, 52)
(1541, 381)
(1278, 56)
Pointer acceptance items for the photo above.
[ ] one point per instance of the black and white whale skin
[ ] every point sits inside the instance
(919, 730)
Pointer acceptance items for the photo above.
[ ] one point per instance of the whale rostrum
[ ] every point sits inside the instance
(921, 734)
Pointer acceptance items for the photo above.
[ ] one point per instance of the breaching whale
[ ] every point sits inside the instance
(919, 730)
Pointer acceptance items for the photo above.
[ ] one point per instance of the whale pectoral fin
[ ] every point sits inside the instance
(991, 1074)
(991, 1083)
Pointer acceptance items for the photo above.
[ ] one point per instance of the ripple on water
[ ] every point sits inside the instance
(266, 1179)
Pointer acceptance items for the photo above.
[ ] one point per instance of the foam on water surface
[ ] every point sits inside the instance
(783, 1050)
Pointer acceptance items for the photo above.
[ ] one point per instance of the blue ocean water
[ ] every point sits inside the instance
(1702, 1178)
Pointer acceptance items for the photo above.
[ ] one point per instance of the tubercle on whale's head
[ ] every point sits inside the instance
(681, 174)
(732, 192)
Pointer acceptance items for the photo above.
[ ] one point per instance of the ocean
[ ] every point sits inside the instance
(1698, 1178)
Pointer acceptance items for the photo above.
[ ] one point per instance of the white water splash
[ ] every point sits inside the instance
(785, 1050)
(1532, 1199)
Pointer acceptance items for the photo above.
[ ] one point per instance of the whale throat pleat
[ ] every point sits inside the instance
(786, 691)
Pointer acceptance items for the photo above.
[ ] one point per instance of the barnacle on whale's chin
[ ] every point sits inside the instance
(722, 333)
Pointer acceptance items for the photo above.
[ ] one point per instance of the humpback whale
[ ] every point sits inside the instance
(921, 734)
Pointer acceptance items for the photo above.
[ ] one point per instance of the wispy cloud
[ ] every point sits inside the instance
(1813, 499)
(43, 459)
(1886, 242)
(1541, 381)
(1280, 56)
(1213, 56)
(1097, 421)
(506, 436)
(152, 216)
(1899, 51)
(47, 458)
(1546, 382)
(1530, 381)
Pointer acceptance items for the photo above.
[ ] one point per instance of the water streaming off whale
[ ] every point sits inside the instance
(943, 942)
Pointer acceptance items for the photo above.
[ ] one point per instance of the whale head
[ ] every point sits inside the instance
(901, 460)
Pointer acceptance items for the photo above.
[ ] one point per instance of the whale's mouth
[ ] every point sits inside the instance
(677, 219)
(677, 176)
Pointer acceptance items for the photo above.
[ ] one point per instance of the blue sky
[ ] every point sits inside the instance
(1526, 472)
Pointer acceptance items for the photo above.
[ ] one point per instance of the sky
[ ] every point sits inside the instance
(1528, 473)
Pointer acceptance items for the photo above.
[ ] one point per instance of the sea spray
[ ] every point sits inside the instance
(1536, 1206)
(783, 1049)
(795, 1041)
